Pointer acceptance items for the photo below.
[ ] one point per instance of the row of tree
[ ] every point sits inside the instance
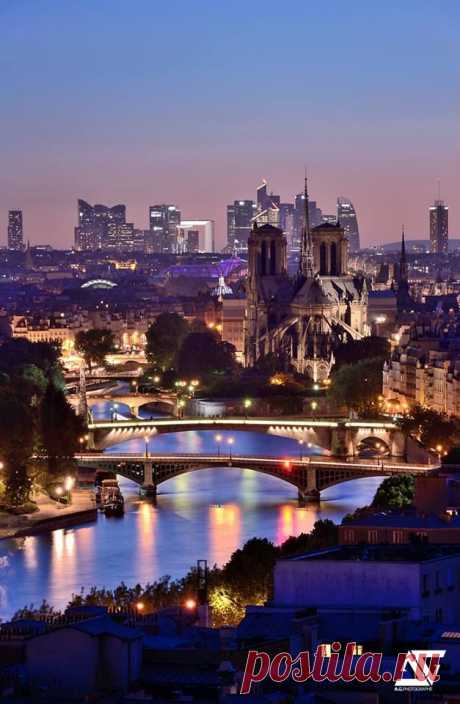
(39, 431)
(247, 578)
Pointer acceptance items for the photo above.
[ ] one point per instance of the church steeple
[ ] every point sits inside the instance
(403, 261)
(306, 266)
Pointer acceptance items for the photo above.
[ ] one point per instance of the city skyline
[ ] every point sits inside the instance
(116, 132)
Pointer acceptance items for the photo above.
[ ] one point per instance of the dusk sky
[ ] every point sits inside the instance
(194, 101)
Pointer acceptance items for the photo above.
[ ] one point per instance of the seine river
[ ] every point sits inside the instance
(203, 515)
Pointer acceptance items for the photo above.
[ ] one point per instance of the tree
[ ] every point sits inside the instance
(250, 569)
(164, 339)
(94, 345)
(16, 446)
(395, 492)
(323, 535)
(430, 427)
(353, 351)
(60, 430)
(203, 353)
(358, 385)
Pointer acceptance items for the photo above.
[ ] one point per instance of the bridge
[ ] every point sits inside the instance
(342, 438)
(310, 475)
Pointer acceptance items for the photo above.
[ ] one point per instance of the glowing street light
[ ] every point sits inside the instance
(247, 405)
(140, 606)
(190, 604)
(218, 439)
(300, 449)
(230, 442)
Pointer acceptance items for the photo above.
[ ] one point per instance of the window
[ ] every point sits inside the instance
(372, 537)
(349, 535)
(398, 537)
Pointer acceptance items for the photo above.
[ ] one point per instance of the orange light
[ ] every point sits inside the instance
(140, 606)
(190, 604)
(287, 465)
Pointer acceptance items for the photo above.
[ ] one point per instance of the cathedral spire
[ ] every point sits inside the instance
(403, 260)
(306, 248)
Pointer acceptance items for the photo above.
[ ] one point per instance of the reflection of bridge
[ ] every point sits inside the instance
(309, 475)
(343, 438)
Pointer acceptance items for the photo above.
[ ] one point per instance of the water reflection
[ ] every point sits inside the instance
(205, 514)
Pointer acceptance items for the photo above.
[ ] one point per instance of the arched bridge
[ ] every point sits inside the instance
(342, 438)
(309, 475)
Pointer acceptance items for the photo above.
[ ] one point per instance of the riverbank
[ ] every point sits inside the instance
(51, 515)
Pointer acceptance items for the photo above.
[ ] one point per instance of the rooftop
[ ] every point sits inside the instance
(380, 553)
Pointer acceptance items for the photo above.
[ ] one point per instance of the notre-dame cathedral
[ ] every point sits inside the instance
(301, 319)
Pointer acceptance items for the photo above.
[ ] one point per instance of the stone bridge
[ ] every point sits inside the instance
(341, 438)
(309, 475)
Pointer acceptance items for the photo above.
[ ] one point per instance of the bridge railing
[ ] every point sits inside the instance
(352, 462)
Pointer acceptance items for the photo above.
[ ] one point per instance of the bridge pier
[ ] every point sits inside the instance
(309, 492)
(149, 485)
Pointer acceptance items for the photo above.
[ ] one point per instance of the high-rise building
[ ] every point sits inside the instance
(164, 223)
(15, 230)
(240, 215)
(268, 206)
(94, 222)
(314, 216)
(346, 216)
(205, 230)
(439, 227)
(286, 221)
(120, 235)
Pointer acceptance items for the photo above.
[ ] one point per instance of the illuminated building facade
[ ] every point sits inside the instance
(346, 216)
(439, 227)
(164, 224)
(240, 215)
(15, 230)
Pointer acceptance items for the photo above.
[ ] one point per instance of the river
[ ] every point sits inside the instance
(203, 515)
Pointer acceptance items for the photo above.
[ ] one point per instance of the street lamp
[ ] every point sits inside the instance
(247, 405)
(300, 449)
(180, 406)
(230, 442)
(218, 440)
(314, 406)
(114, 411)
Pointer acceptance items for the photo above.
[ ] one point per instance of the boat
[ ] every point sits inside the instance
(114, 507)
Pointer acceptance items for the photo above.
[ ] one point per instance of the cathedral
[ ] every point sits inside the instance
(301, 319)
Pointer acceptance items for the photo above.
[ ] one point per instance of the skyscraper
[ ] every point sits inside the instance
(286, 221)
(240, 215)
(314, 215)
(164, 223)
(15, 230)
(97, 225)
(439, 227)
(268, 206)
(346, 216)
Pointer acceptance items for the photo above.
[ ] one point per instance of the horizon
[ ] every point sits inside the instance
(194, 106)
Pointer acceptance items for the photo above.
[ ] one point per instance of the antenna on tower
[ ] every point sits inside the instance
(439, 188)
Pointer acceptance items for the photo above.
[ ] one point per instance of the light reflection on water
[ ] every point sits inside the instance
(205, 514)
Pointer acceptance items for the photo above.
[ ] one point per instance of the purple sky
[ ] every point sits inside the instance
(193, 103)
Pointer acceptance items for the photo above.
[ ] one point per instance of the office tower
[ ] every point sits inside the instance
(439, 227)
(330, 219)
(120, 235)
(164, 223)
(15, 230)
(239, 223)
(346, 216)
(314, 216)
(286, 221)
(268, 206)
(92, 231)
(205, 230)
(193, 241)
